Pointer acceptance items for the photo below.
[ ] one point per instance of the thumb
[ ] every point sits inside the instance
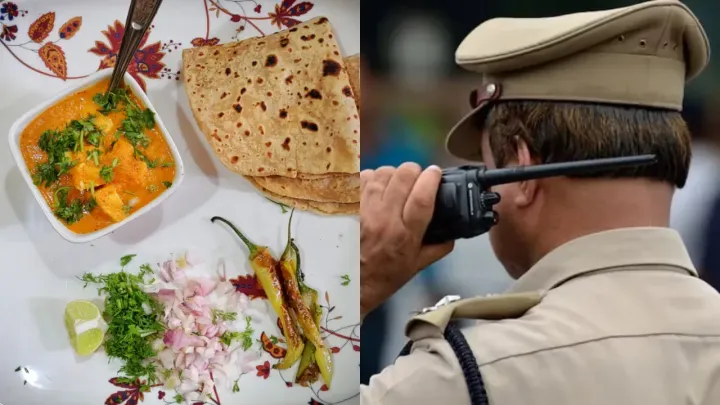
(431, 253)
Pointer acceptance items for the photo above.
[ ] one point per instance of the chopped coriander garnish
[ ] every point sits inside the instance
(131, 329)
(126, 209)
(167, 164)
(145, 270)
(167, 184)
(228, 337)
(74, 210)
(94, 137)
(222, 315)
(107, 171)
(246, 336)
(236, 387)
(152, 188)
(151, 164)
(179, 398)
(135, 137)
(94, 155)
(64, 165)
(45, 174)
(345, 279)
(126, 259)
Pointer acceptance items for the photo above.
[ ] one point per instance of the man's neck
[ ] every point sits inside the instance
(579, 207)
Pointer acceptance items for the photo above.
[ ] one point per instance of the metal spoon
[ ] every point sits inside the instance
(139, 17)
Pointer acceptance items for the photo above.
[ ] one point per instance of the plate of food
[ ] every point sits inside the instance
(191, 237)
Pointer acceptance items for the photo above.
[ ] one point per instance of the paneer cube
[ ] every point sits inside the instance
(86, 176)
(108, 199)
(130, 170)
(105, 124)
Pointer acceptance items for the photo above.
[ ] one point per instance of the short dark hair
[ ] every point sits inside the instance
(562, 131)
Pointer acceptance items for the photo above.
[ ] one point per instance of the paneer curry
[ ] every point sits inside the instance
(97, 158)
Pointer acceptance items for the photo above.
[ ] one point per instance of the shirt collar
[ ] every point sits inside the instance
(616, 248)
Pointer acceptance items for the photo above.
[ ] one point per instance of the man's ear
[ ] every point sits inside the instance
(529, 188)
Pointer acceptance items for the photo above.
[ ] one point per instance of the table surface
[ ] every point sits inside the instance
(46, 46)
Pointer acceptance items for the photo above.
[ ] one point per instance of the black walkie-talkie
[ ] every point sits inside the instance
(464, 204)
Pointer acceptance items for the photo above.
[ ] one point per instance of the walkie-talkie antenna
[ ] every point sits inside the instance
(492, 177)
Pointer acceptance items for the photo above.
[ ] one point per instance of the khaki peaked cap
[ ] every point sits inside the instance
(641, 55)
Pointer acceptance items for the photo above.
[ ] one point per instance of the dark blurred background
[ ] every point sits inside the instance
(413, 93)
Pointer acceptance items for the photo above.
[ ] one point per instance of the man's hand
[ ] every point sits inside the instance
(396, 206)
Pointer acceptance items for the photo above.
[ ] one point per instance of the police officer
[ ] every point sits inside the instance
(607, 307)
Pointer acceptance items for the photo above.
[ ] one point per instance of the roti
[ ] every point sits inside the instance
(338, 188)
(277, 105)
(352, 64)
(331, 187)
(325, 208)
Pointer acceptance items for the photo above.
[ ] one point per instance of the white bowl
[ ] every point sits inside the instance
(19, 126)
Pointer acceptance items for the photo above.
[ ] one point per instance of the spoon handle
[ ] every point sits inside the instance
(139, 17)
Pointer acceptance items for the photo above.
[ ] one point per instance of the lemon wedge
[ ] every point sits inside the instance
(85, 326)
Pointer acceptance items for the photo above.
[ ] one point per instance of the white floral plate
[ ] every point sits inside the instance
(44, 45)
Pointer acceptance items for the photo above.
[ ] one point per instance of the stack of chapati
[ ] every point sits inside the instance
(281, 111)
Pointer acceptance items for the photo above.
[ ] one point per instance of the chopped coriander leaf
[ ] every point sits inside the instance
(246, 336)
(94, 137)
(152, 188)
(94, 155)
(126, 259)
(56, 143)
(151, 164)
(135, 137)
(91, 204)
(167, 164)
(45, 174)
(131, 329)
(72, 212)
(236, 387)
(179, 398)
(107, 171)
(64, 165)
(345, 279)
(222, 315)
(109, 102)
(167, 184)
(145, 270)
(228, 337)
(86, 124)
(126, 209)
(147, 117)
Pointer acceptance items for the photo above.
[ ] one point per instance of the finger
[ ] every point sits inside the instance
(400, 186)
(365, 176)
(375, 186)
(384, 174)
(421, 202)
(431, 253)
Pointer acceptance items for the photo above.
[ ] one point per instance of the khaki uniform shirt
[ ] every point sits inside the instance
(622, 320)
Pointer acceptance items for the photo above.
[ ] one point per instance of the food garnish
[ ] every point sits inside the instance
(265, 267)
(85, 327)
(173, 329)
(134, 321)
